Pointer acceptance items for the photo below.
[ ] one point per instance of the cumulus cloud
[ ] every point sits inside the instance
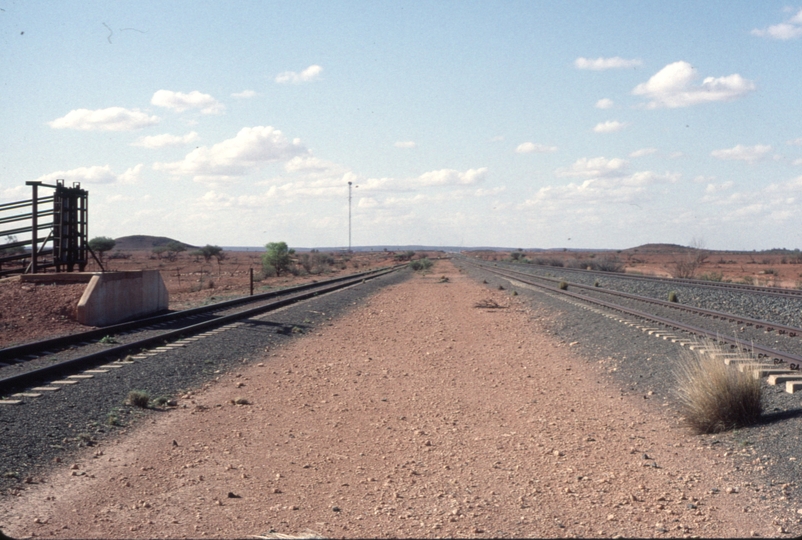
(110, 119)
(750, 154)
(535, 148)
(180, 102)
(245, 94)
(643, 152)
(601, 64)
(165, 140)
(451, 177)
(596, 191)
(673, 87)
(291, 77)
(790, 29)
(795, 142)
(712, 189)
(594, 167)
(610, 126)
(605, 103)
(405, 144)
(250, 149)
(96, 174)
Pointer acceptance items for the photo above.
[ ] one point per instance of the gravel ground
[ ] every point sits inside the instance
(642, 364)
(48, 430)
(787, 311)
(416, 414)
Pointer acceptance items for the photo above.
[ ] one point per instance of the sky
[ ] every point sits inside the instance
(535, 124)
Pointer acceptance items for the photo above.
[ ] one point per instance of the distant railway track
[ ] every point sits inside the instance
(721, 285)
(27, 364)
(772, 343)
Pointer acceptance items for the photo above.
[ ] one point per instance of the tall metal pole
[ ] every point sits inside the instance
(349, 217)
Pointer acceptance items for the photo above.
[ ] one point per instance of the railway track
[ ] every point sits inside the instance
(765, 348)
(40, 363)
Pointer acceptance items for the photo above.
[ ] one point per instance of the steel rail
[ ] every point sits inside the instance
(9, 384)
(27, 349)
(771, 291)
(729, 317)
(675, 325)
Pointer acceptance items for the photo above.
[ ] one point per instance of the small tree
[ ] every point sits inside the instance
(209, 251)
(173, 248)
(277, 257)
(101, 244)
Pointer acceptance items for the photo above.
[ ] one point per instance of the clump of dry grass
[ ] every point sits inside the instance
(138, 398)
(715, 397)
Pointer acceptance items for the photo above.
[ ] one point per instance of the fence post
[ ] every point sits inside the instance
(35, 231)
(251, 273)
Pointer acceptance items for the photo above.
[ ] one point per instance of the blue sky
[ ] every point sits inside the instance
(519, 124)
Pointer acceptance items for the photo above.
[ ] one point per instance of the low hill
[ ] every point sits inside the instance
(144, 242)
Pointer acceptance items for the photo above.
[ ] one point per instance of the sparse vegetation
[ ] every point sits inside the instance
(421, 264)
(672, 296)
(138, 398)
(107, 340)
(277, 259)
(716, 397)
(100, 245)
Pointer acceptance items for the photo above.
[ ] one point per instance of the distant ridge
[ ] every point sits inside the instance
(144, 242)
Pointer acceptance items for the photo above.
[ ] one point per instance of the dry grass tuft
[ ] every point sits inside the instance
(138, 398)
(716, 397)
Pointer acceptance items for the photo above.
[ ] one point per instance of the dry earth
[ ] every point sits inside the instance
(36, 311)
(416, 415)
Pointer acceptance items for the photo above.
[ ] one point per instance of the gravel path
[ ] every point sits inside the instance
(418, 414)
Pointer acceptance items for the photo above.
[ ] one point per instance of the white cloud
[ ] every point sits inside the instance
(311, 165)
(750, 154)
(482, 192)
(643, 152)
(245, 94)
(131, 176)
(605, 103)
(497, 138)
(712, 189)
(797, 162)
(610, 126)
(537, 148)
(405, 144)
(672, 87)
(600, 64)
(179, 102)
(165, 140)
(795, 142)
(291, 77)
(592, 193)
(252, 148)
(594, 167)
(790, 29)
(450, 177)
(110, 119)
(92, 175)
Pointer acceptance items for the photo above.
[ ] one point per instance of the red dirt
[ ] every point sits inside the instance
(435, 419)
(31, 311)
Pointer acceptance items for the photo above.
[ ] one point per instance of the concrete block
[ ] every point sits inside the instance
(783, 378)
(769, 370)
(792, 387)
(114, 297)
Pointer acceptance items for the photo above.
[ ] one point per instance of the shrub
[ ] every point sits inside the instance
(138, 398)
(563, 286)
(672, 296)
(715, 397)
(421, 264)
(278, 257)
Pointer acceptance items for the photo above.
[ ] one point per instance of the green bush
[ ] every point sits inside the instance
(421, 264)
(138, 398)
(278, 257)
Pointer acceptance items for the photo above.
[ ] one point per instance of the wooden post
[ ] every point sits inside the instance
(251, 273)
